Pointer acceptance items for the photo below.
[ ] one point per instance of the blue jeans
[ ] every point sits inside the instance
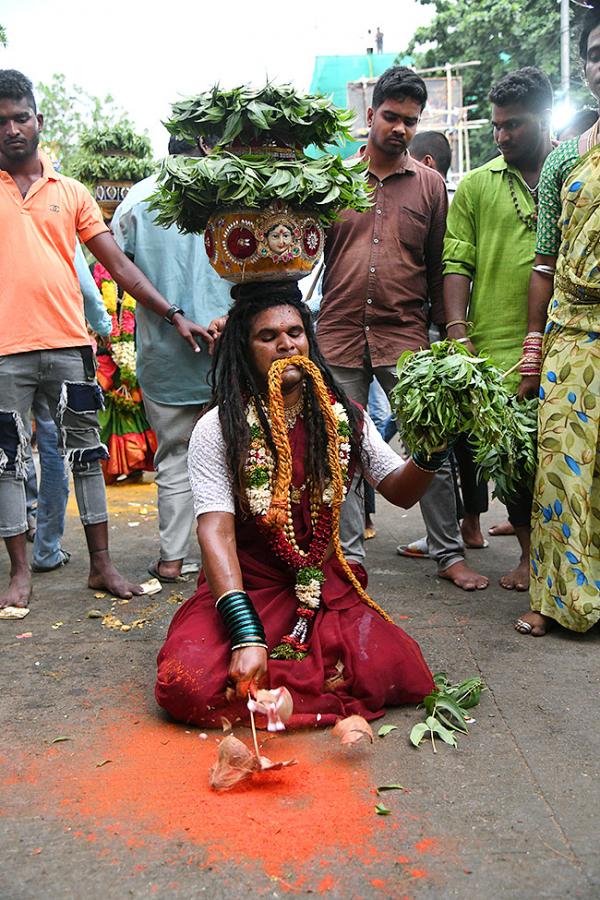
(378, 405)
(379, 411)
(64, 378)
(53, 490)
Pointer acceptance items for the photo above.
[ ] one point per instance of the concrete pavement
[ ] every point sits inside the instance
(103, 798)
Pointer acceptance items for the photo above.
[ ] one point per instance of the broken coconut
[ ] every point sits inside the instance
(352, 730)
(277, 705)
(236, 762)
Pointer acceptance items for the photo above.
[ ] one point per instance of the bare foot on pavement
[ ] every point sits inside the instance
(18, 592)
(472, 536)
(518, 579)
(465, 578)
(533, 623)
(501, 530)
(104, 577)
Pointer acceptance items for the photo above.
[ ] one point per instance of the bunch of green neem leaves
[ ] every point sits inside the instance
(191, 189)
(511, 462)
(446, 709)
(116, 153)
(444, 392)
(243, 116)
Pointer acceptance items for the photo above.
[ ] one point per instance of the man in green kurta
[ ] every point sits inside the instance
(488, 254)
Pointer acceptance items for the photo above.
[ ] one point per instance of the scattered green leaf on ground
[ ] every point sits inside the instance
(417, 733)
(446, 709)
(382, 810)
(385, 729)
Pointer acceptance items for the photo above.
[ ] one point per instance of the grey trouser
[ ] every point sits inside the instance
(73, 397)
(438, 504)
(173, 426)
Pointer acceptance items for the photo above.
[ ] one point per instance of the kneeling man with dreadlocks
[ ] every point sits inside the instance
(277, 604)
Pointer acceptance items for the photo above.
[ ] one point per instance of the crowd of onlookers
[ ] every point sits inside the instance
(495, 270)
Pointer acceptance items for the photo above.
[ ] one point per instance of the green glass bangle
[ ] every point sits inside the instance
(241, 619)
(228, 594)
(231, 595)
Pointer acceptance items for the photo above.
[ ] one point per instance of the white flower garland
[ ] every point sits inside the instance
(260, 464)
(124, 354)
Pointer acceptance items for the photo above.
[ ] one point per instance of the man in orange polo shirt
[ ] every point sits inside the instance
(44, 344)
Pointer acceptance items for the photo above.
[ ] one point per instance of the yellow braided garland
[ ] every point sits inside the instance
(109, 295)
(277, 513)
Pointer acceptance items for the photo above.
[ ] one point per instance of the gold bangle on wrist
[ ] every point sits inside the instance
(458, 322)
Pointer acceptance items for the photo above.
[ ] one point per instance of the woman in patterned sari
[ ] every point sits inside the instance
(564, 303)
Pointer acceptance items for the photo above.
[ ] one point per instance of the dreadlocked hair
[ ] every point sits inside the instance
(235, 384)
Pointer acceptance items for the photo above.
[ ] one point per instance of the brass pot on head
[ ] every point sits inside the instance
(275, 243)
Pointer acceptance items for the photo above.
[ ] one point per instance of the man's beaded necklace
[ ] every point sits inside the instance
(528, 219)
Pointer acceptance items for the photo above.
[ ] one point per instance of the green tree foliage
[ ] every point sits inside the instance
(3, 38)
(503, 34)
(68, 111)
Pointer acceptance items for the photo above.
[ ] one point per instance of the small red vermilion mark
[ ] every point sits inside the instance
(327, 884)
(426, 845)
(418, 873)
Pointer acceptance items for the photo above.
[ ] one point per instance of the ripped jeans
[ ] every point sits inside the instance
(66, 379)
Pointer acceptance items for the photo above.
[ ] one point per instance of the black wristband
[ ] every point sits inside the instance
(171, 313)
(430, 463)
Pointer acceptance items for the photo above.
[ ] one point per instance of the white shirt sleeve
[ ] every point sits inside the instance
(210, 479)
(378, 458)
(207, 466)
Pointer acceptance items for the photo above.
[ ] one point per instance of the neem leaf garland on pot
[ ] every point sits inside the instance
(260, 199)
(246, 117)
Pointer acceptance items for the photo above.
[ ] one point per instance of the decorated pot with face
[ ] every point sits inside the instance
(272, 244)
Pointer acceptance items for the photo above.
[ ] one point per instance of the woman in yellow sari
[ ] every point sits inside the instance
(564, 304)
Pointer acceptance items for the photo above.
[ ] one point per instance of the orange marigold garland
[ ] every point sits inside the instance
(124, 427)
(269, 487)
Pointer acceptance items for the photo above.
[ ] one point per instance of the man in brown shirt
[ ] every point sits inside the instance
(380, 268)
